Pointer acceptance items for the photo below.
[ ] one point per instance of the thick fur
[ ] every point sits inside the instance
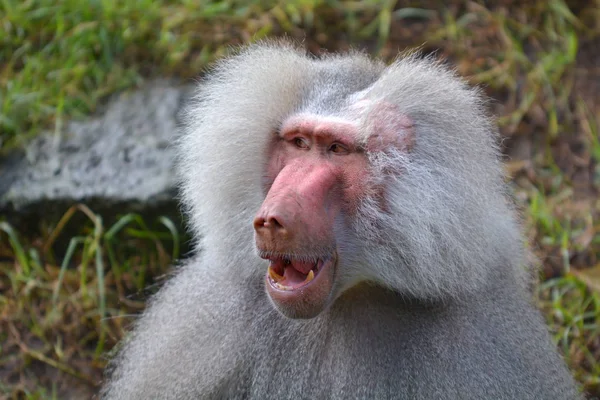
(432, 299)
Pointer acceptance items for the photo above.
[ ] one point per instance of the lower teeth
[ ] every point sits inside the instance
(276, 278)
(309, 277)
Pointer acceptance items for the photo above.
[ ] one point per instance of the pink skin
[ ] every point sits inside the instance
(316, 171)
(386, 120)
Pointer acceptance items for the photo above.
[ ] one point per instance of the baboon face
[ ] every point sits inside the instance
(317, 175)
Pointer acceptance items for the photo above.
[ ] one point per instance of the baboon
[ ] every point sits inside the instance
(355, 240)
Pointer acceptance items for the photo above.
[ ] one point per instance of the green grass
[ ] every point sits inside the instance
(63, 311)
(58, 59)
(68, 290)
(572, 313)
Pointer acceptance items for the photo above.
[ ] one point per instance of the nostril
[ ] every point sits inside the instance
(274, 223)
(269, 222)
(259, 222)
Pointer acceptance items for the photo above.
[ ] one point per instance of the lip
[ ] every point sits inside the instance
(298, 299)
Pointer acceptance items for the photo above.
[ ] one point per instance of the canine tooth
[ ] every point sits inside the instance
(274, 275)
(310, 276)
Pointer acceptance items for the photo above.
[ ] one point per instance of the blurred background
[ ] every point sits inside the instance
(90, 95)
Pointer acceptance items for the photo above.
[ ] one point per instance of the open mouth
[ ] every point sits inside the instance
(300, 287)
(286, 273)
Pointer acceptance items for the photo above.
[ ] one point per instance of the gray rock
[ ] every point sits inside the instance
(125, 155)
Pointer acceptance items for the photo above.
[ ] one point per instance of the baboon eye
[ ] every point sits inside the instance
(300, 143)
(338, 149)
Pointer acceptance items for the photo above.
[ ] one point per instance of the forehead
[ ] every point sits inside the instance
(318, 125)
(336, 86)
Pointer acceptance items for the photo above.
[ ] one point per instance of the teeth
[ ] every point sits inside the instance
(282, 287)
(309, 277)
(278, 278)
(275, 276)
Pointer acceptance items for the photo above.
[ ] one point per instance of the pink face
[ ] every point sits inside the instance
(317, 173)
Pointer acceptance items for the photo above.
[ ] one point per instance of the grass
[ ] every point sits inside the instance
(60, 58)
(63, 311)
(69, 289)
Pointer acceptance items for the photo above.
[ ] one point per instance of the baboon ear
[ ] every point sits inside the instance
(389, 127)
